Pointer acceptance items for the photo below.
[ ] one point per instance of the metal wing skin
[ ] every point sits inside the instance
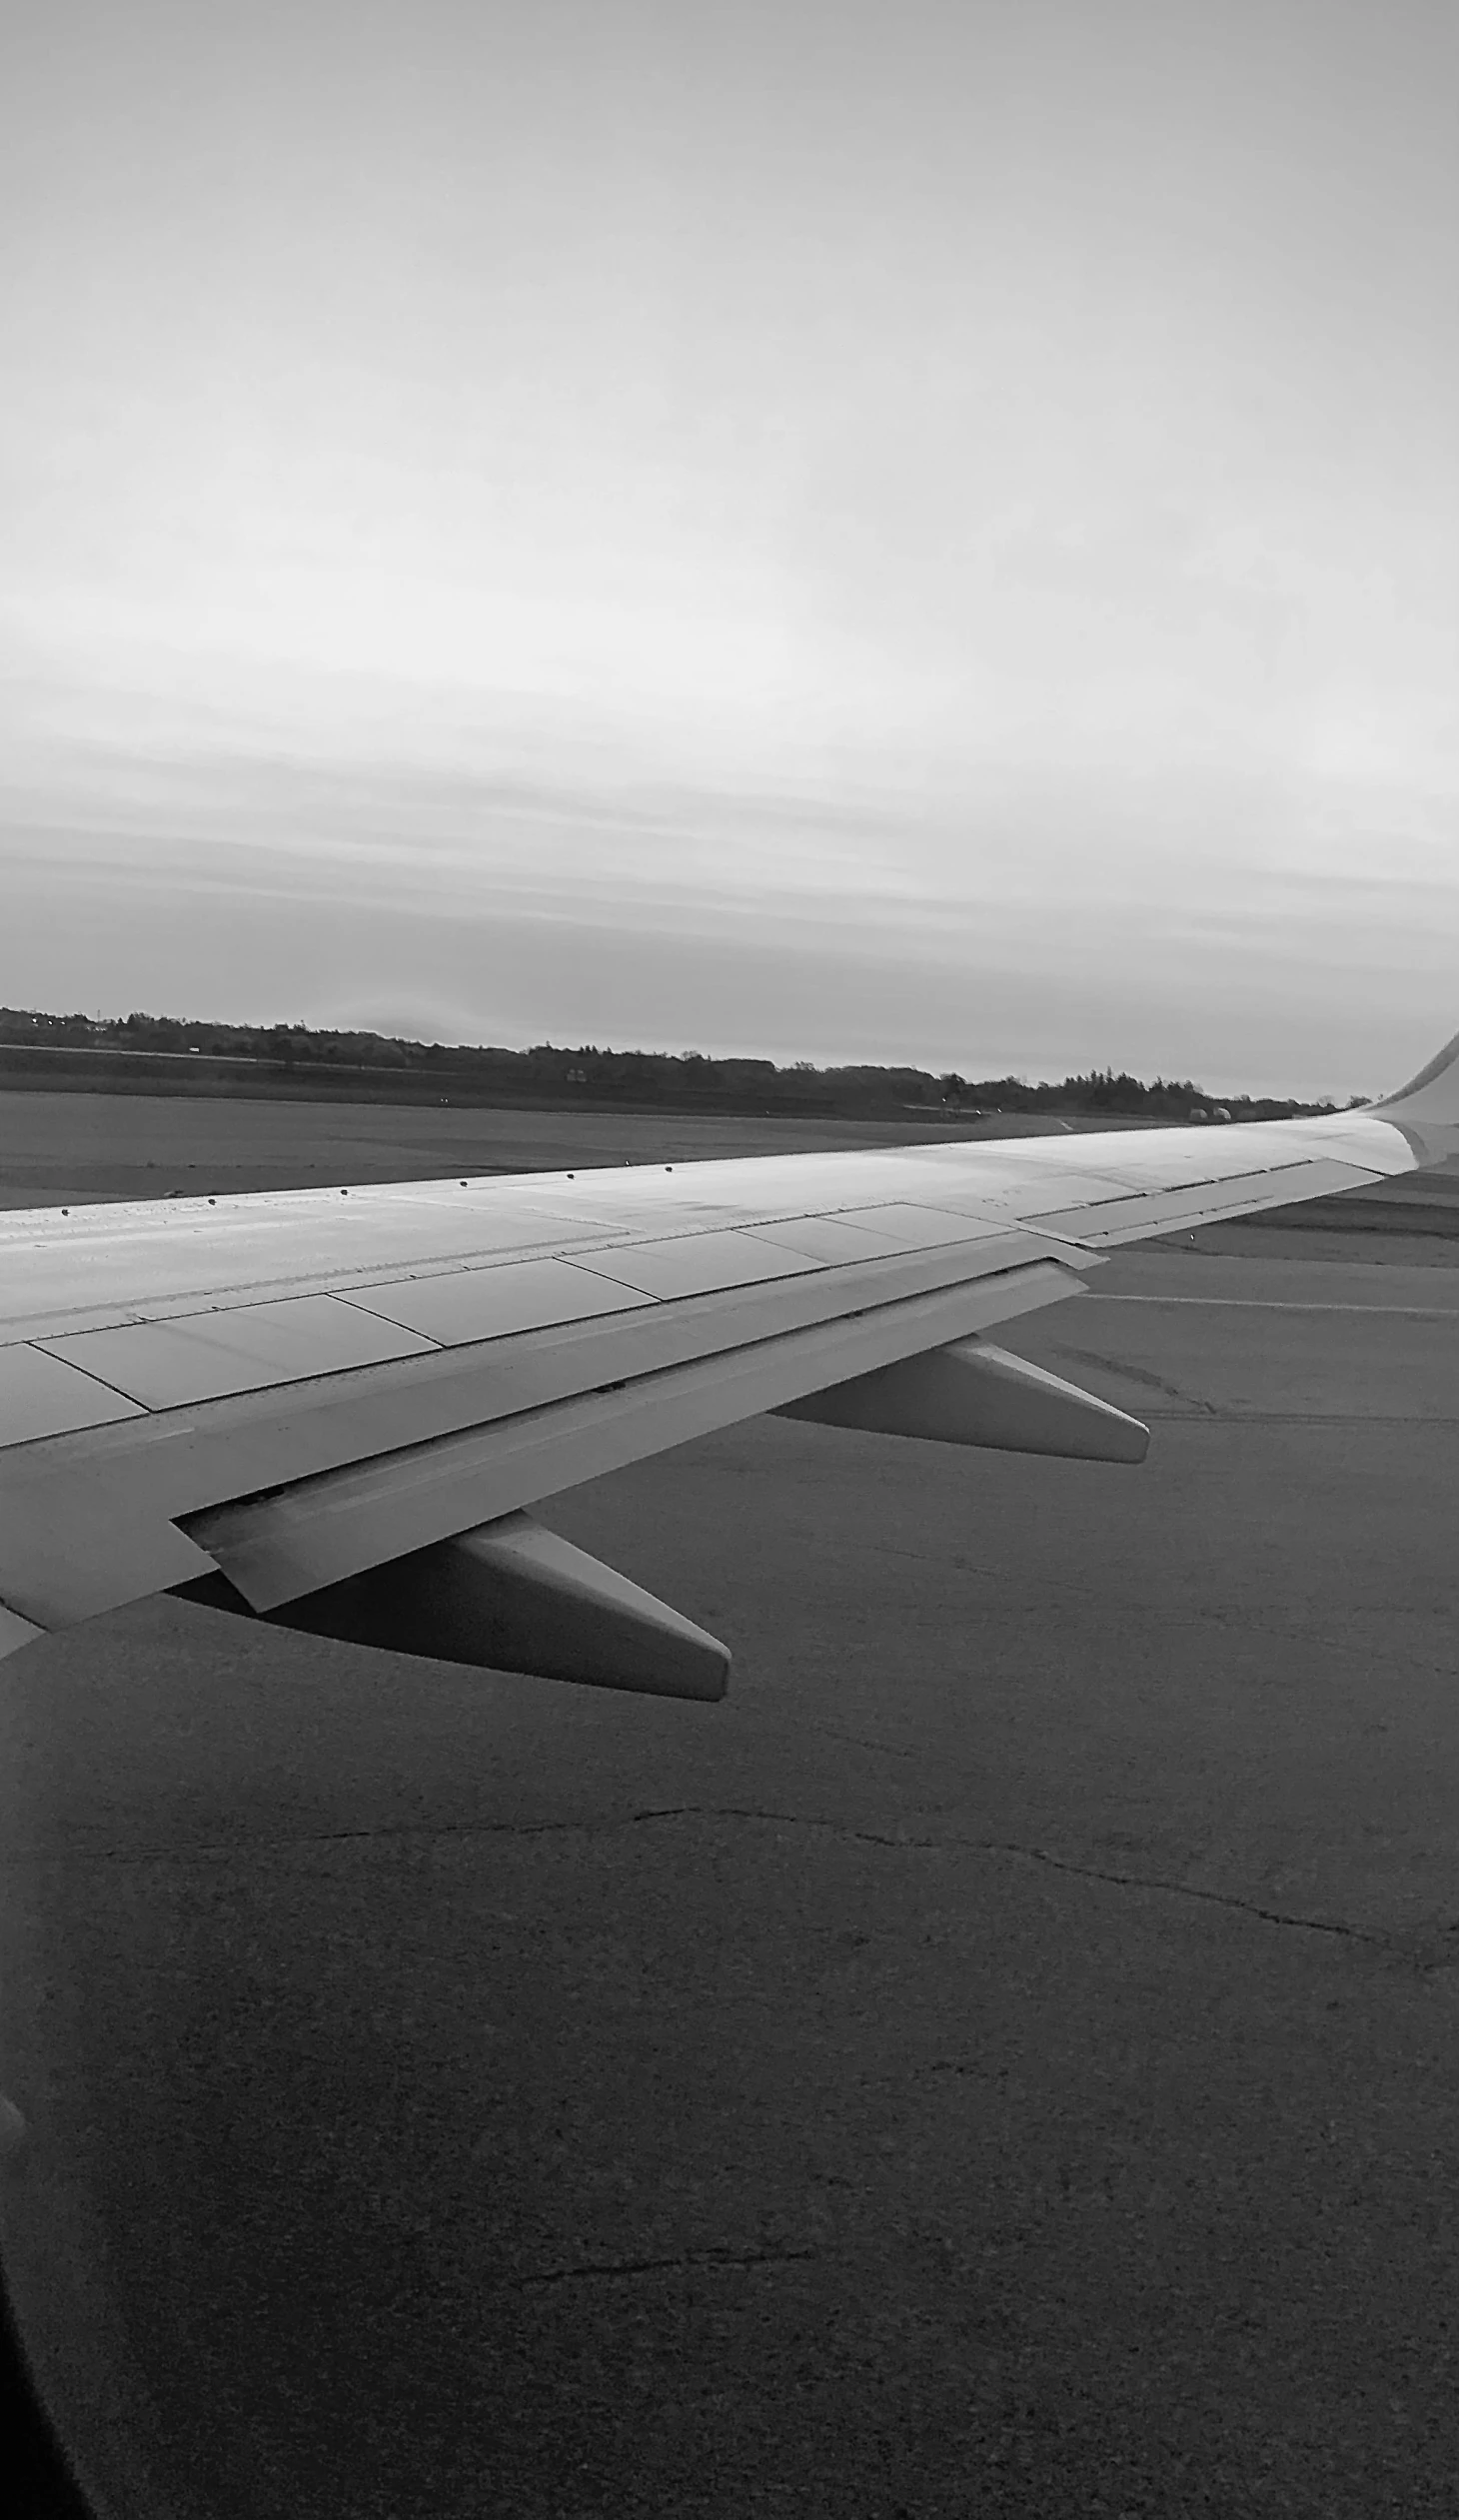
(335, 1408)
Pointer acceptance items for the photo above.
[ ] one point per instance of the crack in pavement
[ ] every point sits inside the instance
(943, 1558)
(687, 2262)
(890, 1749)
(1212, 1897)
(897, 1841)
(1064, 1864)
(388, 1832)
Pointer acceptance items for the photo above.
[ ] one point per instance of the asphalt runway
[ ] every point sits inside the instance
(1003, 2061)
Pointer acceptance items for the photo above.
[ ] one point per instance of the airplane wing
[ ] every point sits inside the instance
(335, 1408)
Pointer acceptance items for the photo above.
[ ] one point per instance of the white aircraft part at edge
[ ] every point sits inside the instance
(298, 1388)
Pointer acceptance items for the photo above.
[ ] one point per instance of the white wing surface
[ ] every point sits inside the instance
(333, 1408)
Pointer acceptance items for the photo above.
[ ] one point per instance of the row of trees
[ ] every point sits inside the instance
(590, 1074)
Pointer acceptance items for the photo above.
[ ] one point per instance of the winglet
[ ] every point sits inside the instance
(1426, 1109)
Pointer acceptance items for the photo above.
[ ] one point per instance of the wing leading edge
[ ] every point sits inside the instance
(337, 1405)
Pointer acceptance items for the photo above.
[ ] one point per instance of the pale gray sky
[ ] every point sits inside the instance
(923, 531)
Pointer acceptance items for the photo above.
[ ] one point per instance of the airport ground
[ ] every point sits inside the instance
(1001, 2061)
(114, 1146)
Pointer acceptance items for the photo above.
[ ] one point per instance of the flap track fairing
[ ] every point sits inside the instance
(970, 1393)
(509, 1596)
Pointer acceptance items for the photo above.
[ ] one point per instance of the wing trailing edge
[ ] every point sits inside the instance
(280, 1544)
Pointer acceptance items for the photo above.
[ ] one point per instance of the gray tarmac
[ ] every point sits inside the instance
(1003, 2060)
(73, 1145)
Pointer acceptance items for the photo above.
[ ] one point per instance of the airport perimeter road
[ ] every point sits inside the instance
(1001, 2061)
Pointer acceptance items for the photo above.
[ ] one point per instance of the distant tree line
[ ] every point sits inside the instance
(686, 1080)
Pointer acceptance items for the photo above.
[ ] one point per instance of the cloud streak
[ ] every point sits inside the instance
(750, 508)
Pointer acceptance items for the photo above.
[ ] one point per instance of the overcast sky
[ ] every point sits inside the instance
(847, 529)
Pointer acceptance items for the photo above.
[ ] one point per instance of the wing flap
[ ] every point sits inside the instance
(277, 1546)
(88, 1521)
(697, 1264)
(462, 1305)
(43, 1395)
(252, 1347)
(1158, 1210)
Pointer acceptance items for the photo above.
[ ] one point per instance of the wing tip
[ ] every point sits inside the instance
(1427, 1107)
(1441, 1071)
